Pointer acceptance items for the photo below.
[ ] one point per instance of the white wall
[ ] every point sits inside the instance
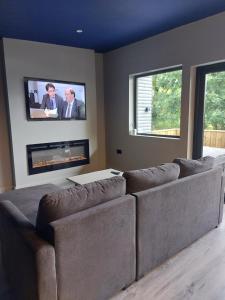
(190, 45)
(39, 60)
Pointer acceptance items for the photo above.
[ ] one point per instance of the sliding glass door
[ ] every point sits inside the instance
(209, 131)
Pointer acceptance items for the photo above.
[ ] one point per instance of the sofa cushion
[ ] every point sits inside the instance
(139, 180)
(69, 201)
(190, 166)
(27, 199)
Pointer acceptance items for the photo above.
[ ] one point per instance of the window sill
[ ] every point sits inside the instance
(158, 136)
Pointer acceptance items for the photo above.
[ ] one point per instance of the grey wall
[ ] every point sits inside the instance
(39, 60)
(191, 45)
(5, 162)
(100, 109)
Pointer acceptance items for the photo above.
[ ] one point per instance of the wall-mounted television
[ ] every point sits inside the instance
(54, 100)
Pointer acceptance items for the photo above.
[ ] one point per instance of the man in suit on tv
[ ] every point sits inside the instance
(73, 108)
(51, 100)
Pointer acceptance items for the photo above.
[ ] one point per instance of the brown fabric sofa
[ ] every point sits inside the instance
(83, 246)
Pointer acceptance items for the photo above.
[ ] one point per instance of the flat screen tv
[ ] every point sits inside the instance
(54, 100)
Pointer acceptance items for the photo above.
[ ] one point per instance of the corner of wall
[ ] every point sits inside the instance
(99, 69)
(6, 174)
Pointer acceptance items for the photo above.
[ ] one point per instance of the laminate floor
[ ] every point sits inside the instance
(196, 273)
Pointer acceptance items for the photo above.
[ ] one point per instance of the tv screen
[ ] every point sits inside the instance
(54, 100)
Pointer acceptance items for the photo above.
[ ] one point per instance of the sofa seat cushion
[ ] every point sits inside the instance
(27, 199)
(190, 166)
(140, 180)
(69, 201)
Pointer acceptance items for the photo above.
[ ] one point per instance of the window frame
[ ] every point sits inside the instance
(201, 72)
(135, 77)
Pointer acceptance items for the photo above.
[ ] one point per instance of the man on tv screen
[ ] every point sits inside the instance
(51, 102)
(73, 108)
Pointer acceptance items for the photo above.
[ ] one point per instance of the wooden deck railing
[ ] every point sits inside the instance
(212, 138)
(173, 131)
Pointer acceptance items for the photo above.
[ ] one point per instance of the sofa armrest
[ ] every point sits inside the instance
(95, 250)
(29, 260)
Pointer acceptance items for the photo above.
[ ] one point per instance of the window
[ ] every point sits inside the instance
(209, 131)
(158, 103)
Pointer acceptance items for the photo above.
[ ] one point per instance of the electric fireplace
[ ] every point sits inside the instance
(58, 155)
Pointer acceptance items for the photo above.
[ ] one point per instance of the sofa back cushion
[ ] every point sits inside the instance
(69, 201)
(139, 180)
(190, 167)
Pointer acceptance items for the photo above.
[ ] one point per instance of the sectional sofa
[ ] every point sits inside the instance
(91, 241)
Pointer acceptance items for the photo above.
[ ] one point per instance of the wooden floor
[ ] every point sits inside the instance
(196, 273)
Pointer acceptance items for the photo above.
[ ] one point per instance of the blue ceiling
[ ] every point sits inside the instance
(106, 24)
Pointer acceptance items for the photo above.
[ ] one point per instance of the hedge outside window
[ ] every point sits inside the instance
(158, 103)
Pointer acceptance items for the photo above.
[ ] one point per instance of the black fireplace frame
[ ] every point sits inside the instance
(49, 146)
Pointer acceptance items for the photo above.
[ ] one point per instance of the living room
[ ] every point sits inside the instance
(109, 75)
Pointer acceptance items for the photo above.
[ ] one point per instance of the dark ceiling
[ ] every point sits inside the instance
(106, 24)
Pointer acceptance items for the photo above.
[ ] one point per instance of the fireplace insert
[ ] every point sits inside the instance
(58, 155)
